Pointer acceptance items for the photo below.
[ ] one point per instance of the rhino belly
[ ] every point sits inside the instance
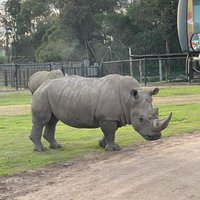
(75, 118)
(75, 110)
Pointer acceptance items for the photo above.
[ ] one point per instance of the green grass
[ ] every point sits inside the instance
(16, 153)
(16, 149)
(14, 98)
(179, 90)
(185, 118)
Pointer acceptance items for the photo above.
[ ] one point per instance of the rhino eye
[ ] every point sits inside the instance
(141, 119)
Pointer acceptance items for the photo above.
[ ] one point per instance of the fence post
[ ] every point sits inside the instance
(160, 69)
(100, 69)
(16, 76)
(19, 78)
(50, 66)
(140, 70)
(24, 79)
(122, 67)
(82, 70)
(131, 60)
(74, 70)
(145, 72)
(28, 76)
(6, 78)
(62, 69)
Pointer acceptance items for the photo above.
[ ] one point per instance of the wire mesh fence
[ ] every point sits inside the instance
(17, 75)
(144, 70)
(149, 70)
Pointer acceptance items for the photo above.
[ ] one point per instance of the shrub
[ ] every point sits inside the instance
(3, 59)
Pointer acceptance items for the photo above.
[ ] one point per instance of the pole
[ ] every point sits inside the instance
(131, 64)
(140, 70)
(160, 69)
(16, 76)
(145, 73)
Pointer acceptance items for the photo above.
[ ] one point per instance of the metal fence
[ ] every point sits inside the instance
(144, 70)
(149, 69)
(17, 75)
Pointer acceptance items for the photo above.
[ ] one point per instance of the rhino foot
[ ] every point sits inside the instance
(102, 142)
(55, 146)
(39, 148)
(112, 147)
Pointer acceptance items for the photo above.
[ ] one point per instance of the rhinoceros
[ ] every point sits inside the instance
(41, 76)
(109, 102)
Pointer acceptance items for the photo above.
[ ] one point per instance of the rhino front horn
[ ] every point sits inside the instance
(160, 125)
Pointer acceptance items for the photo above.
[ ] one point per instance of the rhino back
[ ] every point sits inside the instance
(41, 76)
(82, 102)
(37, 79)
(56, 73)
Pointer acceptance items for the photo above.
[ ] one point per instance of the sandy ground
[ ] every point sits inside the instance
(167, 169)
(15, 110)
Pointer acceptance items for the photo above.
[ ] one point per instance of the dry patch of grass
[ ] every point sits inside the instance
(177, 100)
(15, 110)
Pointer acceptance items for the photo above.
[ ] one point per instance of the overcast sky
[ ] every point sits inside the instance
(1, 1)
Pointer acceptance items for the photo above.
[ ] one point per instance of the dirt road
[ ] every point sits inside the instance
(168, 169)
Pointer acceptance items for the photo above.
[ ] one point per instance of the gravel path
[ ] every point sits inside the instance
(165, 169)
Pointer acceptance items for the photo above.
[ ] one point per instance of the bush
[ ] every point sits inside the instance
(3, 59)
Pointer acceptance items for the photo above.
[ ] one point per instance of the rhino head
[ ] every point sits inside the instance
(144, 118)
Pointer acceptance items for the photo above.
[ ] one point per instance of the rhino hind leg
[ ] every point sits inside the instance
(108, 141)
(49, 133)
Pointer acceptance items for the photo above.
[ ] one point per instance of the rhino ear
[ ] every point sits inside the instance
(134, 93)
(154, 91)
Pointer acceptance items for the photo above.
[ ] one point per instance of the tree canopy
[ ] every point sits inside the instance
(62, 30)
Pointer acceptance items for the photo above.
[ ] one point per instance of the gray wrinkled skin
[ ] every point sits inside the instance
(41, 76)
(109, 103)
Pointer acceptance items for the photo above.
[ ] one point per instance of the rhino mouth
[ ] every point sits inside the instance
(152, 137)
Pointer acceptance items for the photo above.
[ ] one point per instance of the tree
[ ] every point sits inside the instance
(28, 20)
(168, 13)
(58, 45)
(154, 23)
(12, 7)
(57, 30)
(84, 19)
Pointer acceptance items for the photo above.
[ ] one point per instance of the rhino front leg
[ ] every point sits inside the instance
(108, 129)
(102, 142)
(35, 137)
(49, 133)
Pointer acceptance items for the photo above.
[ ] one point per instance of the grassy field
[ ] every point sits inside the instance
(15, 98)
(16, 153)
